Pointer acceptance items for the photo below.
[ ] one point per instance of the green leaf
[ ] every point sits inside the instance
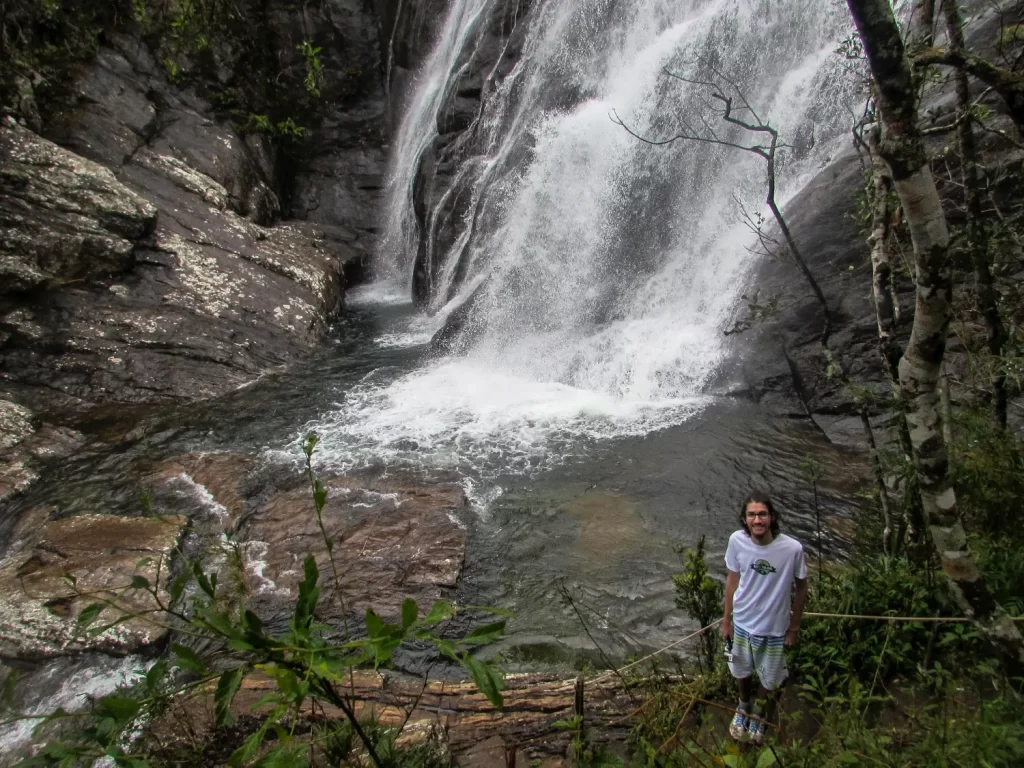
(155, 675)
(140, 582)
(487, 678)
(409, 612)
(227, 687)
(188, 659)
(488, 633)
(310, 443)
(204, 582)
(177, 587)
(439, 611)
(217, 622)
(9, 682)
(385, 644)
(251, 745)
(120, 708)
(319, 495)
(306, 602)
(374, 625)
(89, 614)
(283, 757)
(144, 562)
(447, 648)
(766, 759)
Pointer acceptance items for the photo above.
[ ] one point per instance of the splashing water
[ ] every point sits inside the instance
(602, 270)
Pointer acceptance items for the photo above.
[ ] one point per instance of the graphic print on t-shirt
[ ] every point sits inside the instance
(763, 598)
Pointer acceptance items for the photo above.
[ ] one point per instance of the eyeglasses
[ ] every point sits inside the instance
(758, 515)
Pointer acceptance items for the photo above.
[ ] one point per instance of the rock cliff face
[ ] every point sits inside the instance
(152, 254)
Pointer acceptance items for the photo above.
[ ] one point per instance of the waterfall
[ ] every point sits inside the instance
(598, 272)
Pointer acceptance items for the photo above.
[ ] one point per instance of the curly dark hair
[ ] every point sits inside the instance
(760, 497)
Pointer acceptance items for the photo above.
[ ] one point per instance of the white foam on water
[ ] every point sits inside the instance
(73, 695)
(380, 293)
(486, 419)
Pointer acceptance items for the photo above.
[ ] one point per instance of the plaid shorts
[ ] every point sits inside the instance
(763, 653)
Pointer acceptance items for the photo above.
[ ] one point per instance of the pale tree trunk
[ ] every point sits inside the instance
(903, 151)
(977, 237)
(889, 348)
(881, 265)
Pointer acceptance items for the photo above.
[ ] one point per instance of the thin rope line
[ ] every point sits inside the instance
(620, 670)
(953, 619)
(857, 616)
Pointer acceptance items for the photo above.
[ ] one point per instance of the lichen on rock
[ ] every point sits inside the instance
(40, 604)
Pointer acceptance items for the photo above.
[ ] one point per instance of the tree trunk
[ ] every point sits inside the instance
(881, 266)
(889, 348)
(903, 151)
(977, 237)
(1007, 83)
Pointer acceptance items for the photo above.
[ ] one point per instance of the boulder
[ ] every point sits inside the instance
(390, 541)
(62, 218)
(214, 482)
(27, 446)
(40, 604)
(201, 302)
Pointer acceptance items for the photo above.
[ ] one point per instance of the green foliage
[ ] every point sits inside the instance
(700, 596)
(314, 67)
(308, 666)
(43, 40)
(987, 467)
(220, 48)
(833, 652)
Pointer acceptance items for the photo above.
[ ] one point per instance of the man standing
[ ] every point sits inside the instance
(762, 613)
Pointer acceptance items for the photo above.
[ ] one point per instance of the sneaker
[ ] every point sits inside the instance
(739, 725)
(755, 731)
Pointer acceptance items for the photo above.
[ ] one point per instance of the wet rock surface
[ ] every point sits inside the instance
(62, 217)
(27, 447)
(143, 257)
(390, 539)
(40, 605)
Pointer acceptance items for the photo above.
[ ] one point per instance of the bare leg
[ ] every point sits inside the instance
(746, 687)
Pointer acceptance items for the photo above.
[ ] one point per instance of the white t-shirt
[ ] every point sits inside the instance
(764, 597)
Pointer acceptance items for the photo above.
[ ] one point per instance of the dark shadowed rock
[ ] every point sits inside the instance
(458, 333)
(338, 184)
(781, 361)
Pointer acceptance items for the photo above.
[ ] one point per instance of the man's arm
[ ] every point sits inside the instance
(799, 600)
(732, 581)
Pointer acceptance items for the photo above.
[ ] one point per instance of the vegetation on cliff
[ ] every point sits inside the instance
(235, 54)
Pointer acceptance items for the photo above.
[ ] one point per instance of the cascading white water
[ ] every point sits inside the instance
(415, 133)
(607, 268)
